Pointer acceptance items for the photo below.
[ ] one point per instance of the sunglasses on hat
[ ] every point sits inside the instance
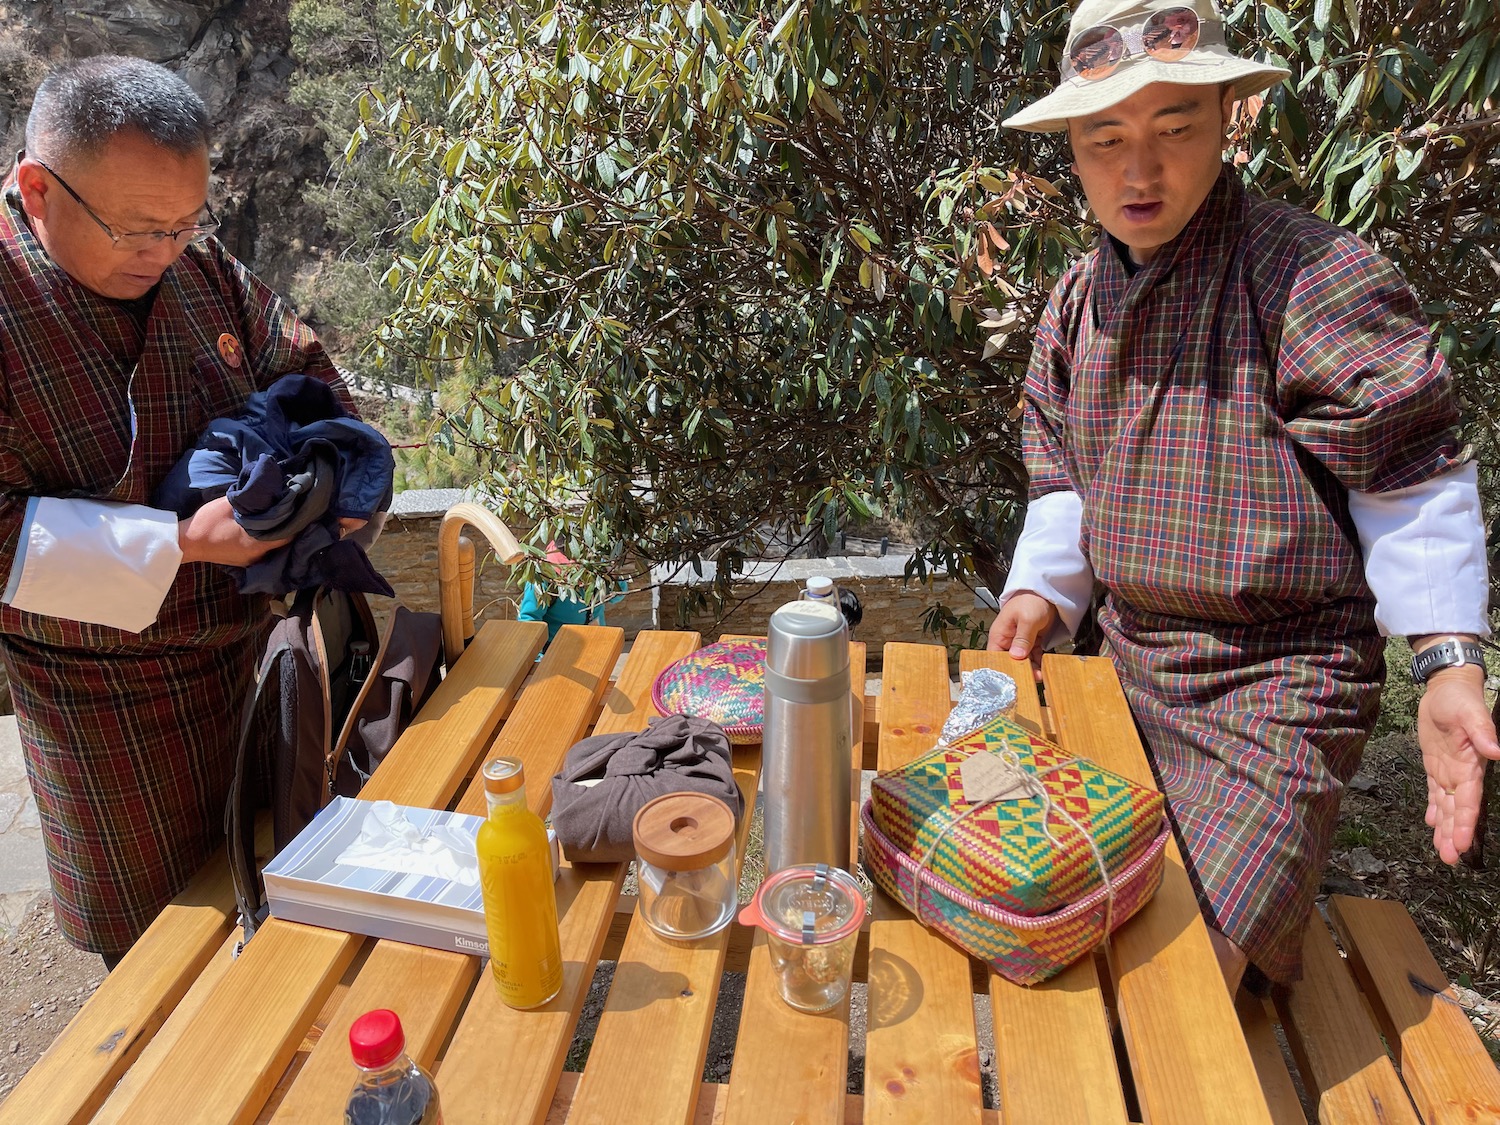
(1097, 52)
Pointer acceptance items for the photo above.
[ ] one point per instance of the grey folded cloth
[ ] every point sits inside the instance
(674, 754)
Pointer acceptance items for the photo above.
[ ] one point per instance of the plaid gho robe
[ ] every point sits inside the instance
(1212, 411)
(128, 737)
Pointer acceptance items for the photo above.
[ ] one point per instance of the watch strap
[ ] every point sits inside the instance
(1445, 654)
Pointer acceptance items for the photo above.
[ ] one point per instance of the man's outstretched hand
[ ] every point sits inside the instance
(1457, 736)
(1021, 624)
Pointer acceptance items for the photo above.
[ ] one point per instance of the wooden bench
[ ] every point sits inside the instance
(183, 1033)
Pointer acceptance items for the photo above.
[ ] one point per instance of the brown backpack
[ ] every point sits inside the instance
(332, 695)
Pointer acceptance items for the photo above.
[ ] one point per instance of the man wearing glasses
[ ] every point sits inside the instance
(1237, 424)
(124, 328)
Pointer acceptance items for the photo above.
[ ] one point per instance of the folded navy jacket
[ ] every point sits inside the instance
(292, 463)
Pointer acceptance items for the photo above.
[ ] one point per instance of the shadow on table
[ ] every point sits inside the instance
(636, 985)
(895, 991)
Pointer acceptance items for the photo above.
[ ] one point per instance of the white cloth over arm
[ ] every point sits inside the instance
(1050, 562)
(1424, 555)
(95, 561)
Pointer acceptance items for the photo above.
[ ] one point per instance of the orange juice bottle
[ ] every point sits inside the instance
(520, 904)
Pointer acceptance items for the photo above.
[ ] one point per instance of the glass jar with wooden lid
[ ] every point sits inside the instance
(685, 864)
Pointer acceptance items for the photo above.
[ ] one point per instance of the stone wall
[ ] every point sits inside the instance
(893, 608)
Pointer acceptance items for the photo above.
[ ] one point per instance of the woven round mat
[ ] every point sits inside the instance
(724, 682)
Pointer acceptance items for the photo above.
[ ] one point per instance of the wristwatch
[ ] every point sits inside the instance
(1444, 654)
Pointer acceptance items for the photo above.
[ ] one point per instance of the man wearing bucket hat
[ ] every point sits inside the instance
(1236, 423)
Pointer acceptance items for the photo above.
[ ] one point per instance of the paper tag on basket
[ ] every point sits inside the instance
(987, 777)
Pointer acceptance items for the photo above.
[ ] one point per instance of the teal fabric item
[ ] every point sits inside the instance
(558, 612)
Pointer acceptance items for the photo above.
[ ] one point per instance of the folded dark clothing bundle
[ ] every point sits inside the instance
(674, 754)
(292, 463)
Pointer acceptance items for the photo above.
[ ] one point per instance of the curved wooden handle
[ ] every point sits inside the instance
(458, 618)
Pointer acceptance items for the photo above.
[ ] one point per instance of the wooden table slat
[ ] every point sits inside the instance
(921, 1057)
(663, 993)
(1338, 1050)
(553, 712)
(438, 752)
(536, 1042)
(165, 1041)
(1187, 1052)
(791, 1065)
(1057, 1027)
(423, 986)
(1444, 1063)
(1270, 1065)
(195, 1079)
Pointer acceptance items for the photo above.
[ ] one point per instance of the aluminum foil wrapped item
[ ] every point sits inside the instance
(983, 694)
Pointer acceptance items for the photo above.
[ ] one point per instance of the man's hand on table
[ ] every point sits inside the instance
(1457, 736)
(1021, 623)
(211, 534)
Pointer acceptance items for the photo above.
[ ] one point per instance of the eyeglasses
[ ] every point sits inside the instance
(1097, 52)
(142, 239)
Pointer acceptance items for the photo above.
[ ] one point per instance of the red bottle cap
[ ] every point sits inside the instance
(376, 1039)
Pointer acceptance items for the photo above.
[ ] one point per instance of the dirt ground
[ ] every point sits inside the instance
(1381, 850)
(43, 982)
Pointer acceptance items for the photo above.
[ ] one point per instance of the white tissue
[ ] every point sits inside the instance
(389, 842)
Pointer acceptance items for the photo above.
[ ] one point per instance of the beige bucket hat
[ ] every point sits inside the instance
(1208, 62)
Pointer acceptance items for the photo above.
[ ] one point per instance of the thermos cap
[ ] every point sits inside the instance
(808, 641)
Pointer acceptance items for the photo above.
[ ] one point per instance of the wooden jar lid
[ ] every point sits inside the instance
(683, 831)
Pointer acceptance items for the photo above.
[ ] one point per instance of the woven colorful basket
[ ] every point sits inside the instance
(1016, 880)
(724, 681)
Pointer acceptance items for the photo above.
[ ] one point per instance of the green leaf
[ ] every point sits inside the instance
(1451, 72)
(1351, 94)
(1276, 20)
(787, 24)
(720, 26)
(605, 166)
(833, 265)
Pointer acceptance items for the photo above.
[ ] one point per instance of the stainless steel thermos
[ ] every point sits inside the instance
(807, 736)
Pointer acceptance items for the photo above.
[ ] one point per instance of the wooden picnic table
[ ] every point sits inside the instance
(184, 1032)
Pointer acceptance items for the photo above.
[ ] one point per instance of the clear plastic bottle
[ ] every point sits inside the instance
(392, 1089)
(820, 588)
(520, 903)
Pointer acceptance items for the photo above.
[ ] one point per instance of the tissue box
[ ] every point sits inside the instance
(418, 882)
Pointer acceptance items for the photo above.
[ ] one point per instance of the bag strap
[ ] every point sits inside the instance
(239, 814)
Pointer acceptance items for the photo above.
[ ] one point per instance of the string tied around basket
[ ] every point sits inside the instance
(1017, 783)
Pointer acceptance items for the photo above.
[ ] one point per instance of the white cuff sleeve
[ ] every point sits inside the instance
(1050, 562)
(94, 561)
(1424, 555)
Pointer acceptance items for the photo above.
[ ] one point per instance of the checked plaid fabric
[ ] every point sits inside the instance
(1012, 881)
(127, 738)
(1212, 410)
